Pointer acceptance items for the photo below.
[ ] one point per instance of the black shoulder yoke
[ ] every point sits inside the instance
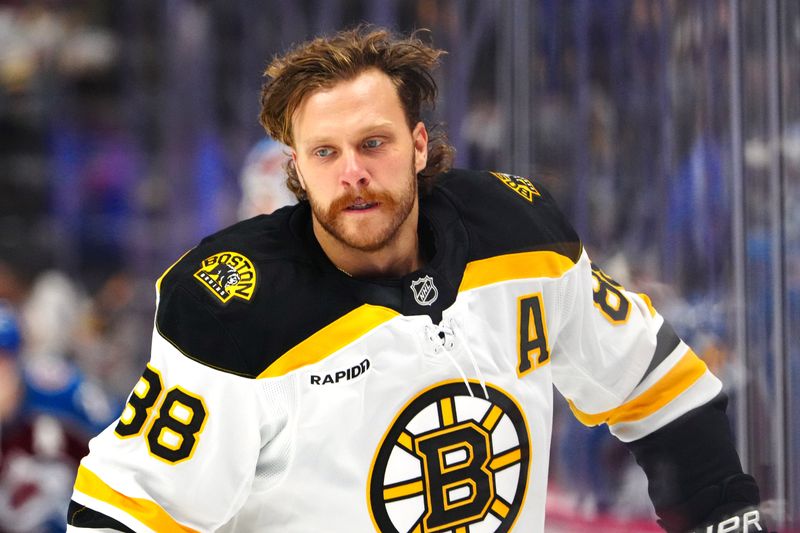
(506, 214)
(246, 295)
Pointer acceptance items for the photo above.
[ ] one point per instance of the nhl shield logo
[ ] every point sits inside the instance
(425, 292)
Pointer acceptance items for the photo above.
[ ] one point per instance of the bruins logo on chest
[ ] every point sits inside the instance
(228, 275)
(451, 460)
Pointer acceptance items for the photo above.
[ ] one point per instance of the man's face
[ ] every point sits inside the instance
(357, 159)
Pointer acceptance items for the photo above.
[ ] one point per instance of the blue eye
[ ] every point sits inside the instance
(373, 143)
(323, 152)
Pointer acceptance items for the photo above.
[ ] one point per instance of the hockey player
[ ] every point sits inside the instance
(385, 357)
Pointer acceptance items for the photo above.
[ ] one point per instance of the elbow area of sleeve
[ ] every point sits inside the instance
(90, 487)
(693, 468)
(682, 383)
(81, 516)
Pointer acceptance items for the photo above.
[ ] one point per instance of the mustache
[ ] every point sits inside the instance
(365, 197)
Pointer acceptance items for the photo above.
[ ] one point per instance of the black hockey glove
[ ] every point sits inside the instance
(695, 479)
(747, 520)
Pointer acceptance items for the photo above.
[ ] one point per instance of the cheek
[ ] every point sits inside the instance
(318, 186)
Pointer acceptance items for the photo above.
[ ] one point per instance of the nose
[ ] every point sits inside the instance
(354, 173)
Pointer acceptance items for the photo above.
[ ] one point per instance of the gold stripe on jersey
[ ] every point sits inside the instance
(329, 339)
(685, 372)
(538, 264)
(145, 511)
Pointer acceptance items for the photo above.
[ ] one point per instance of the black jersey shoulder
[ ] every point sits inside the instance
(247, 294)
(506, 214)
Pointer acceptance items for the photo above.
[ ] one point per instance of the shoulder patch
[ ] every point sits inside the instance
(227, 275)
(519, 185)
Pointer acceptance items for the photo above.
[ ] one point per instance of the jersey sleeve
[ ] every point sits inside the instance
(618, 362)
(184, 452)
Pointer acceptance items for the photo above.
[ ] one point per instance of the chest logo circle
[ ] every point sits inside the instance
(451, 461)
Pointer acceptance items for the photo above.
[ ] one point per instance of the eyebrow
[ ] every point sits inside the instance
(361, 131)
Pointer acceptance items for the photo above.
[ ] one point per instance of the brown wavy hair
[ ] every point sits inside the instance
(325, 61)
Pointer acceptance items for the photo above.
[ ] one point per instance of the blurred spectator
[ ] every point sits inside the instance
(263, 180)
(38, 36)
(48, 412)
(9, 347)
(483, 131)
(50, 314)
(112, 338)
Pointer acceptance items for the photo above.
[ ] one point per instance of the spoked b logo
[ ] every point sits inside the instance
(451, 460)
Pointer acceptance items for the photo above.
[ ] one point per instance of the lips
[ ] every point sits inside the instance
(359, 204)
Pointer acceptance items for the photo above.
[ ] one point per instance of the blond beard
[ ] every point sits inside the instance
(331, 218)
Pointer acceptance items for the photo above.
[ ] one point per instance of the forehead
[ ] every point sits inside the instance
(368, 100)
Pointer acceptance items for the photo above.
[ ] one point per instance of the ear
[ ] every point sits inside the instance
(420, 137)
(297, 170)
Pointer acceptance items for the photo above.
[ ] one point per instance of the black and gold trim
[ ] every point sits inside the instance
(81, 516)
(666, 342)
(148, 512)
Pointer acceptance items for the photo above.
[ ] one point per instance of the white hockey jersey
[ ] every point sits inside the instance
(282, 395)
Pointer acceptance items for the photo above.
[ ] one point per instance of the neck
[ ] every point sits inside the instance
(396, 258)
(370, 266)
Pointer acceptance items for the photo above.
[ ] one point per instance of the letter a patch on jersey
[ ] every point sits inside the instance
(438, 465)
(227, 275)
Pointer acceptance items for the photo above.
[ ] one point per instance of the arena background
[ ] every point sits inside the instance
(669, 130)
